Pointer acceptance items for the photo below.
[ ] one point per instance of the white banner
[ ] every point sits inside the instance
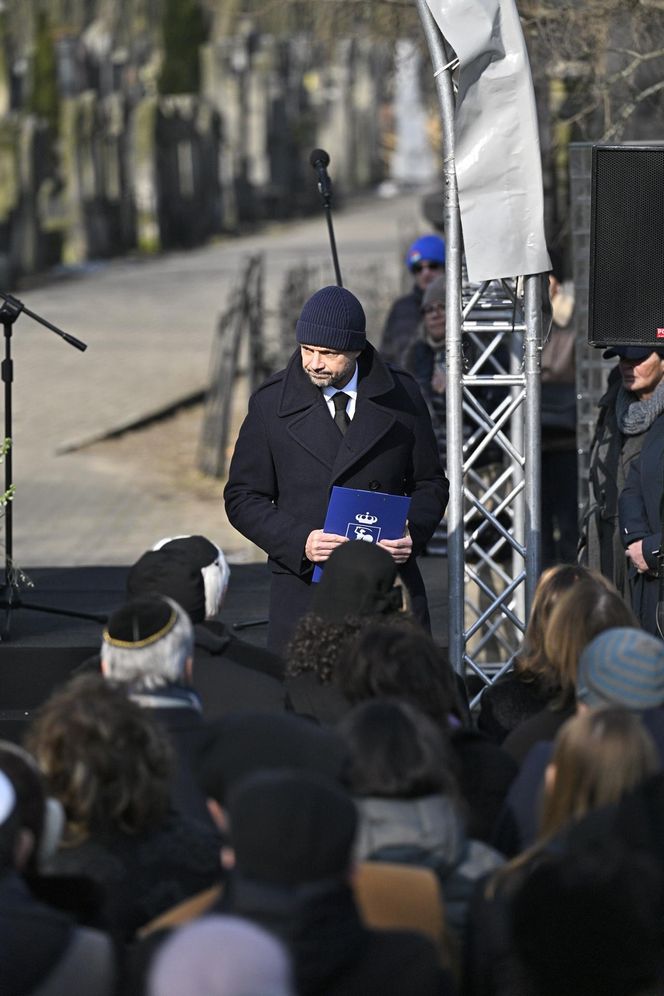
(498, 166)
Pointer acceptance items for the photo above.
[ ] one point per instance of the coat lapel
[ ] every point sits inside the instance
(308, 420)
(311, 426)
(370, 423)
(316, 432)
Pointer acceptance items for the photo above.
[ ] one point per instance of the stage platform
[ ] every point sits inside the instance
(44, 648)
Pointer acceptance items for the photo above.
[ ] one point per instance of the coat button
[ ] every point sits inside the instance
(374, 485)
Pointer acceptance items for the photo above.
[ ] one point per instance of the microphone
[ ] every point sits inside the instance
(320, 160)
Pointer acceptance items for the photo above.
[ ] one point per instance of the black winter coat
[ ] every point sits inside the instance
(611, 455)
(401, 326)
(640, 519)
(290, 453)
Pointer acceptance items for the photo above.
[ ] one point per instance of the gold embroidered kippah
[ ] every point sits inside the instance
(140, 623)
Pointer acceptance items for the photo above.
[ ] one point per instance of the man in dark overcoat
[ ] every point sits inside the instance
(640, 513)
(300, 438)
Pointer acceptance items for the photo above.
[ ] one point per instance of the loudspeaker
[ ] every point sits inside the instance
(626, 305)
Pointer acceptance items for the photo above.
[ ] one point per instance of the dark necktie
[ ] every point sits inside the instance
(340, 400)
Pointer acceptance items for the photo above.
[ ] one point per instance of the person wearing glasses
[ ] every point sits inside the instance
(426, 260)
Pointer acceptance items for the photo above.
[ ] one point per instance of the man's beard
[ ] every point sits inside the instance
(326, 379)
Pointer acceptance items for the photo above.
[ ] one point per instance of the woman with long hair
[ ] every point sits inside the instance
(588, 608)
(599, 756)
(533, 679)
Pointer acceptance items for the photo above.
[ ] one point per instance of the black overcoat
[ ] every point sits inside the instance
(611, 455)
(290, 453)
(640, 519)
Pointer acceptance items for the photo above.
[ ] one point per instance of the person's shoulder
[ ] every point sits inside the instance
(273, 386)
(411, 300)
(398, 386)
(404, 379)
(88, 966)
(275, 380)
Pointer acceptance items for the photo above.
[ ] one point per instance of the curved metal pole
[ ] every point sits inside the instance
(454, 389)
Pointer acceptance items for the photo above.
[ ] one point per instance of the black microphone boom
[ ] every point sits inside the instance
(320, 160)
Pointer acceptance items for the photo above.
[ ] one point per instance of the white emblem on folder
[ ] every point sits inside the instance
(366, 518)
(368, 534)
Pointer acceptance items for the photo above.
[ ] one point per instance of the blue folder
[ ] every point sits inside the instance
(368, 516)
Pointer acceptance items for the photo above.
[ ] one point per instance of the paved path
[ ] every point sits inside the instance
(149, 326)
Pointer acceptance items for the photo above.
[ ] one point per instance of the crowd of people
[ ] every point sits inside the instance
(158, 836)
(191, 813)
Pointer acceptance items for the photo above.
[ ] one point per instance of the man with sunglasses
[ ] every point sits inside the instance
(425, 259)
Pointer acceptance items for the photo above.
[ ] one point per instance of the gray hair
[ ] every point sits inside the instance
(162, 663)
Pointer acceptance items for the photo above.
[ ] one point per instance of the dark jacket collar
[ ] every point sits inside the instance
(298, 393)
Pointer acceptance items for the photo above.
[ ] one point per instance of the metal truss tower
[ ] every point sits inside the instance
(493, 353)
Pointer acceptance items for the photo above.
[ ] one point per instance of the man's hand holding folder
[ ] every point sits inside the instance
(320, 545)
(400, 549)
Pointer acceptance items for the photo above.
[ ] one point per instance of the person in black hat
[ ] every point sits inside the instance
(226, 670)
(337, 415)
(633, 401)
(292, 834)
(234, 747)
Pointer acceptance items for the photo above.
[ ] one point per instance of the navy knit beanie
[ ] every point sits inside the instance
(334, 319)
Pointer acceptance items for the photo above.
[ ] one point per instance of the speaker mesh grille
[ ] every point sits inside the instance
(627, 246)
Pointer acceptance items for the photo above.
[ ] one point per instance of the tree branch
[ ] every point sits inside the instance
(629, 109)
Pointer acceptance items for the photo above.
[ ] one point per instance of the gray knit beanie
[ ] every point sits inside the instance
(622, 666)
(334, 319)
(435, 293)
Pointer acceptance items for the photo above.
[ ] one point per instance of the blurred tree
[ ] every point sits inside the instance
(184, 30)
(609, 56)
(328, 21)
(598, 68)
(44, 100)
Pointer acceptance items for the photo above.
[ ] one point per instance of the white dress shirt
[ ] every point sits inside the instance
(350, 389)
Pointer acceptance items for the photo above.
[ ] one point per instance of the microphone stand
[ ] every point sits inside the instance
(319, 160)
(10, 599)
(325, 191)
